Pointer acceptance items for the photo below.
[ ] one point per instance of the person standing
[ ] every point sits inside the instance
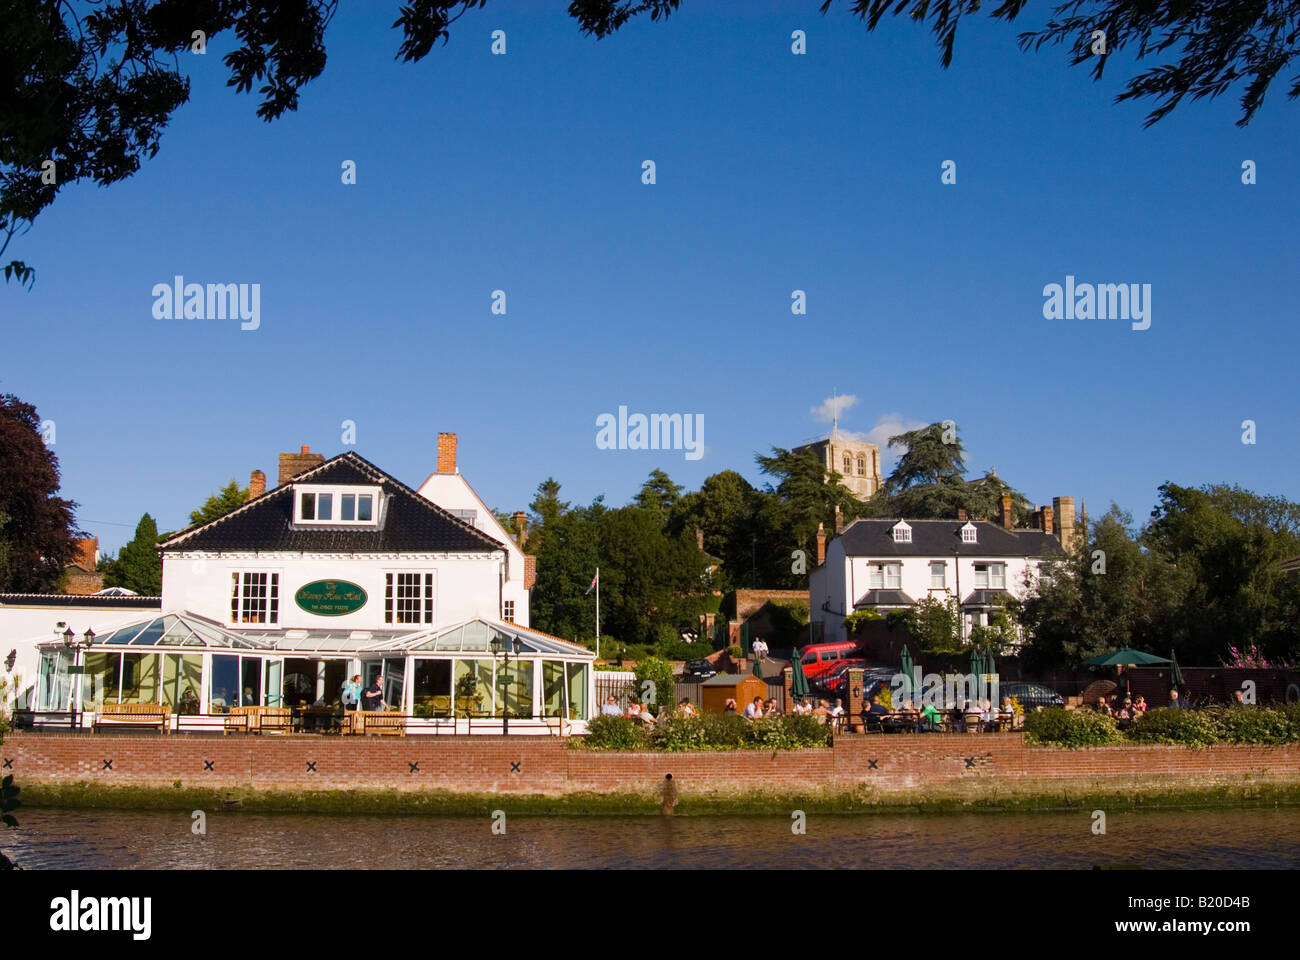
(373, 699)
(351, 695)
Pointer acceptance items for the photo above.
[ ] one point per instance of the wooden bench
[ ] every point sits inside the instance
(134, 715)
(273, 720)
(239, 718)
(379, 724)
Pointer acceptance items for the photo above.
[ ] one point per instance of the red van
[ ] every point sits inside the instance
(819, 659)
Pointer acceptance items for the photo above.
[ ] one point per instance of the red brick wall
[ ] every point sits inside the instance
(546, 765)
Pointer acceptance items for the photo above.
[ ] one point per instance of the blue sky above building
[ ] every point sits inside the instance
(774, 173)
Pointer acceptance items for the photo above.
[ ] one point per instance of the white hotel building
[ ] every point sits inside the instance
(340, 569)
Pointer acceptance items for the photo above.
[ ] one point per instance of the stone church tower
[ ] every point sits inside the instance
(857, 462)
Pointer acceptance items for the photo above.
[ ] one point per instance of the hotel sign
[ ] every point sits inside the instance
(330, 598)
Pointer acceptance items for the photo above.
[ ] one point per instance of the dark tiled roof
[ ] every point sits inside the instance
(884, 598)
(942, 538)
(410, 522)
(73, 600)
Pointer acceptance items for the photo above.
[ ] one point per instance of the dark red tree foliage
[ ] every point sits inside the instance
(37, 528)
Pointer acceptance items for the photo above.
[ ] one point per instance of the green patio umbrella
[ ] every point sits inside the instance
(798, 682)
(905, 662)
(1175, 671)
(758, 668)
(1128, 657)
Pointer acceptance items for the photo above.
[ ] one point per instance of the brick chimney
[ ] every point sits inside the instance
(293, 464)
(256, 484)
(699, 539)
(961, 515)
(1064, 509)
(839, 519)
(1007, 522)
(87, 555)
(446, 453)
(521, 527)
(530, 571)
(821, 544)
(1046, 515)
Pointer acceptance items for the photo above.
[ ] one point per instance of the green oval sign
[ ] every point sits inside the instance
(330, 598)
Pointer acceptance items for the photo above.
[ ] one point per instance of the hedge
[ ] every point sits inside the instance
(1194, 728)
(706, 732)
(1070, 728)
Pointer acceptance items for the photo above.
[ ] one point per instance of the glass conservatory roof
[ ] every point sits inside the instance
(476, 636)
(186, 629)
(177, 630)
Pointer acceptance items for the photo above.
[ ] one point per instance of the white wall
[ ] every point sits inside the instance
(22, 627)
(843, 582)
(464, 586)
(452, 491)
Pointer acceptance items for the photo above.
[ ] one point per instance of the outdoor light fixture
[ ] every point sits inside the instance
(503, 646)
(74, 675)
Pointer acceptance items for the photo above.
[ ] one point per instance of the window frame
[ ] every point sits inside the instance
(336, 494)
(426, 600)
(239, 597)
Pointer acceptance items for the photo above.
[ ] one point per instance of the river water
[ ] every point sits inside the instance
(1252, 838)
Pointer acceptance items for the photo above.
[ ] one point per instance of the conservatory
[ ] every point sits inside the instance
(476, 676)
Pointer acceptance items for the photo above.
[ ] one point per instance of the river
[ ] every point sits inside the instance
(1252, 838)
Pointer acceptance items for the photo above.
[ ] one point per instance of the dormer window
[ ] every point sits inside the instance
(968, 533)
(316, 504)
(902, 532)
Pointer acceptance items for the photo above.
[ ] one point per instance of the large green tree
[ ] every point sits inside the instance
(229, 498)
(929, 483)
(138, 566)
(90, 85)
(37, 529)
(803, 498)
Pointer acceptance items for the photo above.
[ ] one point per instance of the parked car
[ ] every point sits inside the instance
(1031, 695)
(820, 659)
(836, 682)
(698, 670)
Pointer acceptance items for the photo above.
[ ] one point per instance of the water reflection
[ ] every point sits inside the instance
(102, 840)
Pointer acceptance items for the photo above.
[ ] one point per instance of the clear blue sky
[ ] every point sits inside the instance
(775, 172)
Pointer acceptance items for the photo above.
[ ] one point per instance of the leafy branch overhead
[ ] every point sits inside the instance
(90, 85)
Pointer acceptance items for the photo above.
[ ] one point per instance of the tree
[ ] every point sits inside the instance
(37, 531)
(1216, 45)
(726, 510)
(928, 481)
(138, 566)
(227, 499)
(1231, 542)
(659, 492)
(1107, 594)
(804, 497)
(935, 625)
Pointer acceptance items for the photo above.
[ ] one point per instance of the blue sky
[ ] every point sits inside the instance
(774, 172)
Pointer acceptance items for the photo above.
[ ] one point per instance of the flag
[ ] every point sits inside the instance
(594, 580)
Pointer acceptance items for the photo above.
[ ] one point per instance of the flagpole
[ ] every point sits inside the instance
(598, 613)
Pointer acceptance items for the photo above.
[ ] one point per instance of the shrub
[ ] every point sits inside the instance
(1238, 724)
(614, 733)
(658, 672)
(1292, 713)
(713, 731)
(1167, 725)
(1070, 728)
(734, 651)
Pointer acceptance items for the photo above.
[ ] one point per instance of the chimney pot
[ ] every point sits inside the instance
(1006, 512)
(839, 519)
(1064, 510)
(256, 484)
(961, 515)
(306, 449)
(821, 544)
(521, 527)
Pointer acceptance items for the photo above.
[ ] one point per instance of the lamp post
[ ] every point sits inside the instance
(502, 645)
(75, 674)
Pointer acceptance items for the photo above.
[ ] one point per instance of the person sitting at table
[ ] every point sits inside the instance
(930, 717)
(822, 711)
(770, 710)
(1139, 706)
(1101, 706)
(729, 707)
(189, 705)
(1124, 715)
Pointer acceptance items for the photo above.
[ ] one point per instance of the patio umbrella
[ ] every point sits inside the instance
(1175, 672)
(758, 668)
(798, 681)
(905, 662)
(1128, 657)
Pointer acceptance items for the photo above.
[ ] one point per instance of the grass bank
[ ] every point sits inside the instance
(1029, 796)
